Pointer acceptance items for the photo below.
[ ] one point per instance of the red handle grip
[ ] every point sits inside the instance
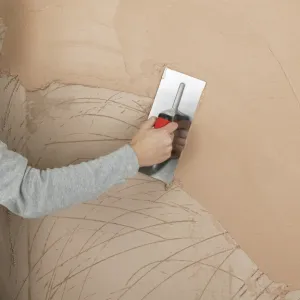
(161, 122)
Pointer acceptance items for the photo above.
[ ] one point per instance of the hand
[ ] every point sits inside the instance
(153, 146)
(180, 137)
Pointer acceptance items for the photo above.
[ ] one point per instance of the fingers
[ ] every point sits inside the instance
(166, 140)
(180, 139)
(172, 136)
(176, 152)
(178, 146)
(180, 142)
(184, 124)
(181, 133)
(149, 123)
(171, 127)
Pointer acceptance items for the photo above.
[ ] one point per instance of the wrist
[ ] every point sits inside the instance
(136, 152)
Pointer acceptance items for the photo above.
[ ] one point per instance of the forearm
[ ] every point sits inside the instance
(35, 193)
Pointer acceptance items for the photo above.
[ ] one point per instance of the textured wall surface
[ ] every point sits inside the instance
(138, 241)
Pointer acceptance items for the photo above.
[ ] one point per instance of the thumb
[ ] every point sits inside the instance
(149, 123)
(171, 127)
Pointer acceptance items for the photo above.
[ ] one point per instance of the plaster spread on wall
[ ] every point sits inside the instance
(244, 145)
(159, 243)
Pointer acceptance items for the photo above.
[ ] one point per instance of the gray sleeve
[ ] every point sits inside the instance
(32, 193)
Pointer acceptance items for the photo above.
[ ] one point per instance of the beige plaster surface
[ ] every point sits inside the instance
(138, 241)
(243, 150)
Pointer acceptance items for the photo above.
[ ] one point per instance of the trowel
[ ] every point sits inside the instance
(176, 99)
(173, 114)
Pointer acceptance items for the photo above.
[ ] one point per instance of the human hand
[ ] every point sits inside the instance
(180, 137)
(153, 146)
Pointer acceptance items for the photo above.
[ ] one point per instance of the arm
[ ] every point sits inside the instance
(32, 193)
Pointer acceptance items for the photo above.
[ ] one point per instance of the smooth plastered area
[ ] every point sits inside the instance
(241, 162)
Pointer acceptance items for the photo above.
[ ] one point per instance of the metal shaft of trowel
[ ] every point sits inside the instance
(178, 98)
(165, 117)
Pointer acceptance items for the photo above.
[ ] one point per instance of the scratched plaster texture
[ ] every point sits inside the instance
(138, 241)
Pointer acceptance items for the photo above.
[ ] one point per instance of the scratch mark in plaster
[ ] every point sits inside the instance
(182, 269)
(7, 113)
(72, 102)
(64, 290)
(85, 279)
(49, 233)
(241, 295)
(123, 252)
(135, 273)
(169, 205)
(128, 211)
(123, 225)
(238, 291)
(165, 193)
(9, 82)
(286, 75)
(214, 273)
(101, 227)
(50, 287)
(33, 267)
(167, 258)
(126, 233)
(223, 271)
(86, 141)
(263, 291)
(37, 231)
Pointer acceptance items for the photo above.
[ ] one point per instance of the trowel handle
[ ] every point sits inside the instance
(161, 122)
